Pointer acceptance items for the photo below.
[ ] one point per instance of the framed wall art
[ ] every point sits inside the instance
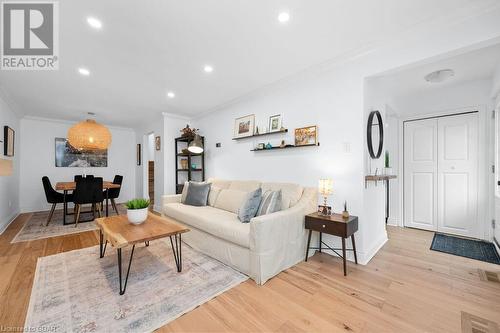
(138, 154)
(306, 136)
(8, 141)
(69, 157)
(275, 123)
(244, 126)
(158, 143)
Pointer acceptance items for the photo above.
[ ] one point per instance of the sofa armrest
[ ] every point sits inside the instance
(278, 240)
(175, 198)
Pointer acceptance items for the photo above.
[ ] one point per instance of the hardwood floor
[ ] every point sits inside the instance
(405, 288)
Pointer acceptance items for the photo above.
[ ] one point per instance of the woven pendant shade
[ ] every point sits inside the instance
(89, 135)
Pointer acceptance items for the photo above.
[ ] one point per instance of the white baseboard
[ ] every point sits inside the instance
(393, 221)
(365, 257)
(157, 209)
(9, 220)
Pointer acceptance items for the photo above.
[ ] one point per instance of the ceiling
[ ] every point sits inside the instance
(146, 48)
(476, 65)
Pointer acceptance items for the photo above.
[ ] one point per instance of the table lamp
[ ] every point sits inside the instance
(325, 188)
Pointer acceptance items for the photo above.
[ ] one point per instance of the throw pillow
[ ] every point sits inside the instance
(270, 203)
(250, 206)
(184, 192)
(197, 194)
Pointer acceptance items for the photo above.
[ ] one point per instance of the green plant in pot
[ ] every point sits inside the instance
(387, 169)
(137, 210)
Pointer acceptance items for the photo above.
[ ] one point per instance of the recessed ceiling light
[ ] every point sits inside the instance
(170, 94)
(94, 23)
(84, 71)
(439, 76)
(283, 17)
(208, 69)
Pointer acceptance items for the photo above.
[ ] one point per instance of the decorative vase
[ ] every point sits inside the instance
(137, 216)
(184, 163)
(345, 214)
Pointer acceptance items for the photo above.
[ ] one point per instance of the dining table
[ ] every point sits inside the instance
(71, 186)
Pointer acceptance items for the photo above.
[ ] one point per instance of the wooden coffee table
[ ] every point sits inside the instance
(121, 233)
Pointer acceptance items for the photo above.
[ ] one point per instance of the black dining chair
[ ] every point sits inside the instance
(53, 197)
(81, 176)
(88, 191)
(114, 193)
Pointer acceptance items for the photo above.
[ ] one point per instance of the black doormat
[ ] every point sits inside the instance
(469, 248)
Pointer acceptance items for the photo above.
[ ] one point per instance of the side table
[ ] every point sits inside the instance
(335, 225)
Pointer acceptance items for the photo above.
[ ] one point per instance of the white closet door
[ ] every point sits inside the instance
(420, 174)
(457, 175)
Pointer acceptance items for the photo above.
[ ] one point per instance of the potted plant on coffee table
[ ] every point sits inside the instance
(137, 210)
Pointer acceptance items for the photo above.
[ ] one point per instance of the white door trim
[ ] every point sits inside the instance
(484, 209)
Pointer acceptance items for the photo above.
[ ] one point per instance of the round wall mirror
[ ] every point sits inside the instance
(375, 134)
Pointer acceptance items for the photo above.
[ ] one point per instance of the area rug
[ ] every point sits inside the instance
(35, 227)
(78, 292)
(469, 248)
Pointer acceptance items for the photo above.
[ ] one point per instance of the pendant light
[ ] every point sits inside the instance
(89, 135)
(196, 146)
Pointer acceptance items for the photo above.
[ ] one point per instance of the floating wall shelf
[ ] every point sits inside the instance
(287, 147)
(262, 134)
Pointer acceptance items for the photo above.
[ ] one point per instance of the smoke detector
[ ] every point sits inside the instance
(439, 76)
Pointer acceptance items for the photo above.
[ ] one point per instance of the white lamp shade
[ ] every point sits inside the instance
(325, 186)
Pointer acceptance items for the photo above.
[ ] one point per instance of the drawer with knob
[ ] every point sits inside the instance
(334, 225)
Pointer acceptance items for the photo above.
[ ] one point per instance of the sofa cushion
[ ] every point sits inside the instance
(213, 195)
(220, 183)
(230, 200)
(244, 185)
(290, 193)
(249, 208)
(216, 222)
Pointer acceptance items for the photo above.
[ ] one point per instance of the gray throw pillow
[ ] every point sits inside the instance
(197, 194)
(250, 206)
(270, 203)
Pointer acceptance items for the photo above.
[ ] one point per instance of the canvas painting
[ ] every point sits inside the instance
(306, 136)
(157, 143)
(69, 157)
(244, 126)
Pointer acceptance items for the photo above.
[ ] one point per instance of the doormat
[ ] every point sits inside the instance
(469, 248)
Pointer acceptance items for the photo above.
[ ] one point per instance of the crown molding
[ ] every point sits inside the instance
(72, 122)
(176, 116)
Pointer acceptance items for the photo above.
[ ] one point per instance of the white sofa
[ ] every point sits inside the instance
(260, 249)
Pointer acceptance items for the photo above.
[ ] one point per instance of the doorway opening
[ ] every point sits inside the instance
(151, 169)
(439, 141)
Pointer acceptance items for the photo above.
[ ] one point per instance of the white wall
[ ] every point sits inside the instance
(9, 185)
(151, 147)
(38, 160)
(332, 98)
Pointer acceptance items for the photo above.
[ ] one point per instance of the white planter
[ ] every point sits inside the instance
(137, 216)
(387, 171)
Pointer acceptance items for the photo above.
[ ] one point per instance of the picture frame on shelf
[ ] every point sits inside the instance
(158, 143)
(8, 141)
(244, 126)
(275, 123)
(306, 136)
